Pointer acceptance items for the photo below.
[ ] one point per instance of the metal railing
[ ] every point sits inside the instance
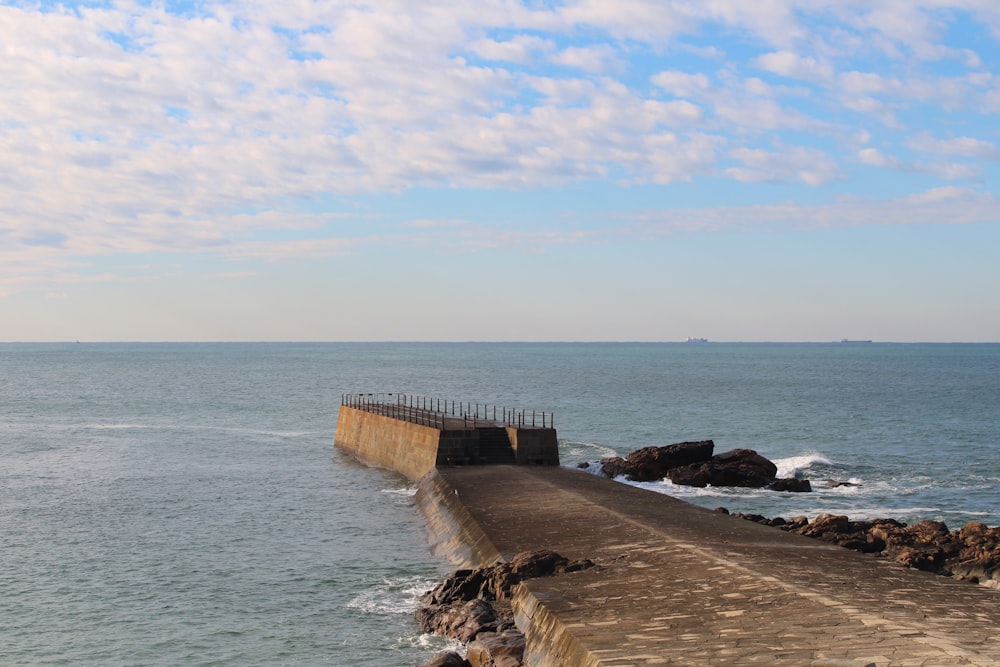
(433, 412)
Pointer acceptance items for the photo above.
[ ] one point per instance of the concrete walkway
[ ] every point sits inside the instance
(682, 585)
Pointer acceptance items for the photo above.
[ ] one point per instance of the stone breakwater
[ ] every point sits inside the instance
(678, 584)
(970, 553)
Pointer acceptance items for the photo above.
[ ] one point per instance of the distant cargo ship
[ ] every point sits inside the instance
(697, 340)
(848, 340)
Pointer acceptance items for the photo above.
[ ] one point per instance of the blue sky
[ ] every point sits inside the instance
(643, 170)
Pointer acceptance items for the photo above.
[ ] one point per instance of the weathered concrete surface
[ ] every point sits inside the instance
(413, 449)
(682, 585)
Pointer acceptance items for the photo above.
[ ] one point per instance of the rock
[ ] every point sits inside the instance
(833, 484)
(460, 606)
(652, 463)
(461, 621)
(791, 485)
(446, 659)
(490, 649)
(583, 465)
(613, 467)
(739, 467)
(461, 586)
(749, 460)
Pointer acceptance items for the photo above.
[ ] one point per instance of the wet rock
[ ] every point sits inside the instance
(471, 604)
(791, 485)
(613, 467)
(460, 620)
(738, 467)
(492, 649)
(971, 553)
(652, 463)
(446, 659)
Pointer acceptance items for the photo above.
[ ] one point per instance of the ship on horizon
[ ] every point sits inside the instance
(696, 340)
(849, 340)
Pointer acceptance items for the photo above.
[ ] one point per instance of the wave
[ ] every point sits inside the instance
(399, 595)
(578, 450)
(792, 465)
(434, 644)
(408, 491)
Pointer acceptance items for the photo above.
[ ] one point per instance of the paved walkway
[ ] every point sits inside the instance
(682, 585)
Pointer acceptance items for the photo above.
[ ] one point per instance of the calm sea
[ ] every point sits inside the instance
(166, 504)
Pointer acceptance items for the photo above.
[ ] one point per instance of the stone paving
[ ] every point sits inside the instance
(680, 585)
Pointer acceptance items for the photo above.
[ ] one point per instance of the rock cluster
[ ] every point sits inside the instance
(972, 552)
(693, 464)
(473, 607)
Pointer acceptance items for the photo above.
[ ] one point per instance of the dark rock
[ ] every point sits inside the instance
(446, 659)
(739, 467)
(749, 460)
(583, 465)
(833, 484)
(460, 606)
(491, 649)
(652, 463)
(721, 510)
(461, 621)
(791, 485)
(461, 586)
(613, 467)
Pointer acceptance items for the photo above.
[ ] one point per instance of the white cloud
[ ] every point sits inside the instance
(129, 129)
(682, 84)
(522, 49)
(961, 146)
(946, 205)
(809, 166)
(876, 158)
(794, 66)
(588, 58)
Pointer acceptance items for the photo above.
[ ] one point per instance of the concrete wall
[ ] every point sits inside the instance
(384, 442)
(534, 446)
(548, 642)
(458, 448)
(453, 533)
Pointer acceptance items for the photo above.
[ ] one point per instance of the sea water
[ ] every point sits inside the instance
(165, 504)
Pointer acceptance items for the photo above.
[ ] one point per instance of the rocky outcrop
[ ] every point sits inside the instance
(693, 464)
(652, 463)
(446, 659)
(972, 552)
(473, 607)
(489, 649)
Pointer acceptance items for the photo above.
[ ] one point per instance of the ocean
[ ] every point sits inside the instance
(166, 504)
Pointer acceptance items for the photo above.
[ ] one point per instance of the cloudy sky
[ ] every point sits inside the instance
(500, 170)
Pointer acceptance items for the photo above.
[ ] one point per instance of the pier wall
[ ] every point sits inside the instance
(534, 446)
(384, 442)
(414, 449)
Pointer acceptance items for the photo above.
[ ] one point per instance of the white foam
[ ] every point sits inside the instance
(408, 491)
(788, 467)
(399, 595)
(578, 448)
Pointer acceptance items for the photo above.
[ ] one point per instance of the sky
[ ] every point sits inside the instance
(524, 170)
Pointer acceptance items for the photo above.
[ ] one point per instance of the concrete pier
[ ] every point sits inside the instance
(681, 585)
(675, 584)
(412, 435)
